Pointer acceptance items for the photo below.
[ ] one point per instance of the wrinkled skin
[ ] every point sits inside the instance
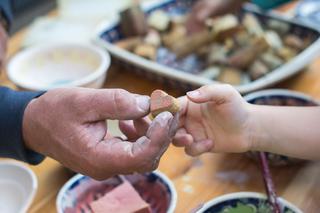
(214, 118)
(69, 126)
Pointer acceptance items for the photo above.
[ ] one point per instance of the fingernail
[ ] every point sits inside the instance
(194, 94)
(143, 102)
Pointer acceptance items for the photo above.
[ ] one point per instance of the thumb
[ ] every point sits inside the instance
(116, 104)
(216, 93)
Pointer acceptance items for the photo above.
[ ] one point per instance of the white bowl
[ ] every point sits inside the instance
(46, 67)
(18, 185)
(223, 201)
(80, 188)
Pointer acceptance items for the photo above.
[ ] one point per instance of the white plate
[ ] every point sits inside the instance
(18, 185)
(46, 67)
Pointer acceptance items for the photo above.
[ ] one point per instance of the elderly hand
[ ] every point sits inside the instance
(3, 45)
(214, 118)
(204, 9)
(69, 126)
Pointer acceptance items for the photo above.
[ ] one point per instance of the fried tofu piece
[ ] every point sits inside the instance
(161, 102)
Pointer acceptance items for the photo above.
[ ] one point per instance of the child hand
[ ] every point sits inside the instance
(214, 118)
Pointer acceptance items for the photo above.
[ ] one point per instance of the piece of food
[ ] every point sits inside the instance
(271, 60)
(160, 102)
(177, 33)
(190, 44)
(230, 76)
(146, 51)
(273, 39)
(279, 26)
(245, 56)
(153, 38)
(217, 54)
(122, 199)
(294, 42)
(210, 72)
(252, 24)
(159, 20)
(133, 22)
(129, 43)
(224, 23)
(286, 53)
(257, 70)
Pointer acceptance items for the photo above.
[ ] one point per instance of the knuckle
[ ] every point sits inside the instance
(190, 152)
(120, 97)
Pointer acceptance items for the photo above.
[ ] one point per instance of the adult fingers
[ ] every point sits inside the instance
(115, 156)
(134, 129)
(116, 104)
(141, 125)
(128, 129)
(182, 138)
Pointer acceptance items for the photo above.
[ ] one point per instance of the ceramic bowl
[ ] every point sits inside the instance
(46, 67)
(155, 188)
(18, 186)
(169, 71)
(252, 201)
(279, 97)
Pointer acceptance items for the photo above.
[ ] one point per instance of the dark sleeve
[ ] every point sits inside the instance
(5, 8)
(12, 106)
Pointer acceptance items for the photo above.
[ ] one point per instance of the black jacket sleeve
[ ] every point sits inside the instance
(5, 8)
(12, 106)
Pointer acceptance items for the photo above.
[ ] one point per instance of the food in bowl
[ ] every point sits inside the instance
(233, 49)
(279, 97)
(80, 191)
(245, 202)
(123, 198)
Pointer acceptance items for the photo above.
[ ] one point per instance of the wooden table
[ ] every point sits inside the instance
(200, 179)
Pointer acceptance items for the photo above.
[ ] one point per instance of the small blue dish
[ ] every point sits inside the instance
(279, 97)
(155, 188)
(249, 202)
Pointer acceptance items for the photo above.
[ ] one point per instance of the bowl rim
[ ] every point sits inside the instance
(150, 67)
(104, 64)
(240, 195)
(66, 186)
(280, 92)
(34, 181)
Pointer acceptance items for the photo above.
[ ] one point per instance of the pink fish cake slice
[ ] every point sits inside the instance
(122, 199)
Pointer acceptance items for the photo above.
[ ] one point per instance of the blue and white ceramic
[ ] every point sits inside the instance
(155, 188)
(109, 32)
(279, 97)
(252, 199)
(308, 11)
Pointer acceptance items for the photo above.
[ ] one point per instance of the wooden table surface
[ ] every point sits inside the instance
(200, 179)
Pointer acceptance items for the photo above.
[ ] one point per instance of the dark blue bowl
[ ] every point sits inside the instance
(155, 188)
(251, 201)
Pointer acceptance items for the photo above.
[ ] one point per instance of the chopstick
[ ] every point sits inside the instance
(268, 183)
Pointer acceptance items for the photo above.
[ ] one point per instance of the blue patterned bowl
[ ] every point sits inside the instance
(279, 97)
(155, 188)
(249, 202)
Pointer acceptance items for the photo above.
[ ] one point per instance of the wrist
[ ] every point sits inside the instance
(27, 126)
(256, 134)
